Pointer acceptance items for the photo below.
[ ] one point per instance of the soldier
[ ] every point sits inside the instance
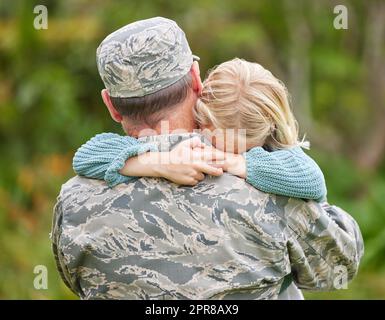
(152, 239)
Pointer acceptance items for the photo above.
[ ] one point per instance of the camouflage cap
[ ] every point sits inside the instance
(143, 57)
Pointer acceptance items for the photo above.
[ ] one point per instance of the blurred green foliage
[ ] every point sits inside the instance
(50, 104)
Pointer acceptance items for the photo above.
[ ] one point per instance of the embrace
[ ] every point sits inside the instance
(209, 195)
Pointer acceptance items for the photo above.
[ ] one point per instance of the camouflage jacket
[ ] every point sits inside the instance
(152, 239)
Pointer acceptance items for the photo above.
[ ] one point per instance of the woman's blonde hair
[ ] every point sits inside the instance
(238, 94)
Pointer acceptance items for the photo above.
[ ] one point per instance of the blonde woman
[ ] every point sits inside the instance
(244, 112)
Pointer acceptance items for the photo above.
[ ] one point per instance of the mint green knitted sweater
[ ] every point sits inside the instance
(288, 172)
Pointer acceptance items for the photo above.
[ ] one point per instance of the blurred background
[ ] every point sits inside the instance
(50, 104)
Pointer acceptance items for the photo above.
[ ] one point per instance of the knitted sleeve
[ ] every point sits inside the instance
(288, 172)
(104, 155)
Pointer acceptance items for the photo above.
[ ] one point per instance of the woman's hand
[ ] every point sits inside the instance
(186, 164)
(231, 162)
(188, 173)
(235, 164)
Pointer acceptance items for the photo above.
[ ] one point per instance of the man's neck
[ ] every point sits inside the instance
(179, 120)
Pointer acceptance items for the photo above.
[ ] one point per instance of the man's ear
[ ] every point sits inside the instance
(113, 112)
(196, 78)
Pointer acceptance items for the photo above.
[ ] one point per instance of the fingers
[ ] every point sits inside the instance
(199, 176)
(190, 182)
(193, 150)
(210, 148)
(192, 174)
(208, 155)
(219, 164)
(208, 169)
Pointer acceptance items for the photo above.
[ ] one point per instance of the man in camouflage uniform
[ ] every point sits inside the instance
(152, 239)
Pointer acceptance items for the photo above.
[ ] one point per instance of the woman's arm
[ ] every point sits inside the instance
(117, 159)
(186, 164)
(104, 155)
(288, 172)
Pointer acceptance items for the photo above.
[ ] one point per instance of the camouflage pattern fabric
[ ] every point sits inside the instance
(222, 239)
(143, 57)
